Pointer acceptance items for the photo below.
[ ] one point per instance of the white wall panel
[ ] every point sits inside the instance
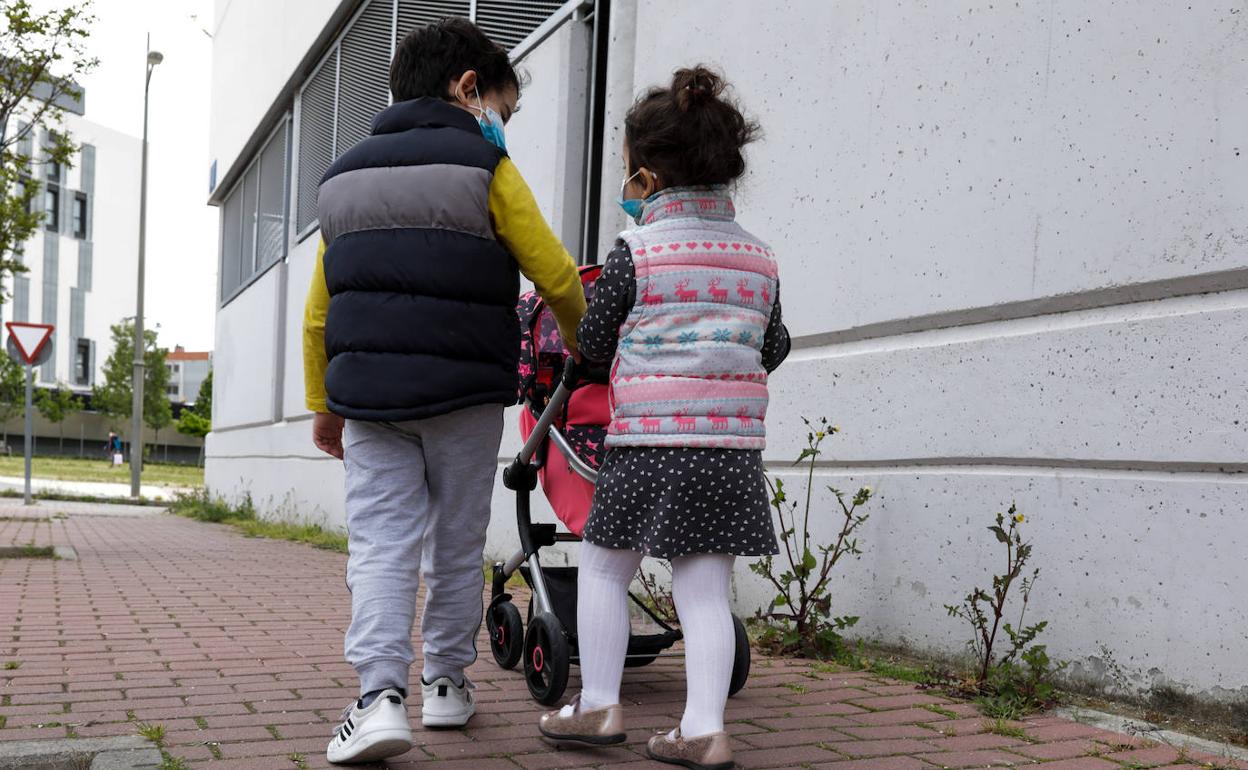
(922, 158)
(243, 364)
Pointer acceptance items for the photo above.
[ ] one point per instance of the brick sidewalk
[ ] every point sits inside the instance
(234, 646)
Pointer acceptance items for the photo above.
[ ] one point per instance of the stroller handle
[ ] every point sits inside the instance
(574, 374)
(557, 401)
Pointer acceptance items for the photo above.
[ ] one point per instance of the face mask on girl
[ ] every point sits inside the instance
(491, 123)
(631, 206)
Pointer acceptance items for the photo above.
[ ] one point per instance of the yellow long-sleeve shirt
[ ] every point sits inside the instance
(519, 226)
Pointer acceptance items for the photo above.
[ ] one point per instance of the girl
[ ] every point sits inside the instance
(688, 306)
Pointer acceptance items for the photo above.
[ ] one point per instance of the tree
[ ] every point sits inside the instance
(12, 391)
(56, 404)
(115, 397)
(197, 420)
(40, 55)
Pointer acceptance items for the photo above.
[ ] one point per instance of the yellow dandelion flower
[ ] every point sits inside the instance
(1020, 518)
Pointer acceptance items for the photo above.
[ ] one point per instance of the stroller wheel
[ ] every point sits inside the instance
(502, 620)
(546, 659)
(741, 659)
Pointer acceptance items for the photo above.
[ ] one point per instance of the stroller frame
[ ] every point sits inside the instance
(548, 650)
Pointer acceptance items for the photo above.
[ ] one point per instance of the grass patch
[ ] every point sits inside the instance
(944, 712)
(300, 761)
(28, 551)
(154, 733)
(82, 469)
(889, 667)
(203, 507)
(3, 721)
(65, 497)
(1004, 728)
(12, 665)
(170, 762)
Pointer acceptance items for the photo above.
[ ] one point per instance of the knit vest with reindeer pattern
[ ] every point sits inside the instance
(689, 372)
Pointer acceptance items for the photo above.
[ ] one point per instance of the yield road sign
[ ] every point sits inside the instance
(30, 341)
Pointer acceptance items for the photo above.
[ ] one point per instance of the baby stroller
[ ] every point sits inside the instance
(565, 410)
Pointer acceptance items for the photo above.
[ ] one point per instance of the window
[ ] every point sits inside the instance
(80, 215)
(53, 171)
(82, 362)
(254, 218)
(172, 390)
(52, 207)
(508, 22)
(335, 109)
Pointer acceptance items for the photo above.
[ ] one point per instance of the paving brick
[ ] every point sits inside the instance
(990, 758)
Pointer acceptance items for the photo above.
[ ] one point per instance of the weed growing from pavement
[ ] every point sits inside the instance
(12, 665)
(1020, 680)
(800, 620)
(201, 506)
(1003, 728)
(154, 733)
(944, 712)
(300, 761)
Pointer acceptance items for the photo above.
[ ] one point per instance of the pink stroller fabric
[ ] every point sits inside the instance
(569, 494)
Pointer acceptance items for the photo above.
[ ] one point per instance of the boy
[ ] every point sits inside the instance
(411, 343)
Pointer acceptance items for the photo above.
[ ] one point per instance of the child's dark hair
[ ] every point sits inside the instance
(689, 133)
(434, 55)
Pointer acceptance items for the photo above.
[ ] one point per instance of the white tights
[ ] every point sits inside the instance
(700, 590)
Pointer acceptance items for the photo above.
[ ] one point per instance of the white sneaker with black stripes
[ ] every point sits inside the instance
(374, 732)
(446, 704)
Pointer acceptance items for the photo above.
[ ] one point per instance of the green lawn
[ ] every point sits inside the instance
(75, 469)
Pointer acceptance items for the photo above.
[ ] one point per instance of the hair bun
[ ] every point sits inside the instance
(696, 86)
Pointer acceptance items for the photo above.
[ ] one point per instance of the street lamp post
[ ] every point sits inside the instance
(136, 428)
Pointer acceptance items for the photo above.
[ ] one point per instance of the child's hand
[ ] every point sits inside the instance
(327, 433)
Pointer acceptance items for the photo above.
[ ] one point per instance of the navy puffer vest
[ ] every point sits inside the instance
(422, 313)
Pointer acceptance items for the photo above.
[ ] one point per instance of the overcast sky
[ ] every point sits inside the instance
(181, 228)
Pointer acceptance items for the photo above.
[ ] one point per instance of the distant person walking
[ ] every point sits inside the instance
(411, 347)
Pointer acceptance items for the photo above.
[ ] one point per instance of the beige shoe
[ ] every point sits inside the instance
(595, 727)
(706, 752)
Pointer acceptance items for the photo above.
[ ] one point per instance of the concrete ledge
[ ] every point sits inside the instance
(129, 752)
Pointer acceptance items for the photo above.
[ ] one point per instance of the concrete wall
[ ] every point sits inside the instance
(1015, 262)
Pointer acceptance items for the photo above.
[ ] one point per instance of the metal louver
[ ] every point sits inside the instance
(507, 22)
(414, 14)
(363, 81)
(316, 136)
(271, 209)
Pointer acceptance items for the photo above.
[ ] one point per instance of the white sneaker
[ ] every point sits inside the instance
(445, 704)
(369, 734)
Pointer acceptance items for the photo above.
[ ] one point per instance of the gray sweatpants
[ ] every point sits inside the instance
(418, 502)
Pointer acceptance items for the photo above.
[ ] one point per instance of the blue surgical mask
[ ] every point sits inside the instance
(631, 206)
(491, 124)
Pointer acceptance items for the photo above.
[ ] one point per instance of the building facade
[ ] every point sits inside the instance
(187, 371)
(81, 266)
(1014, 262)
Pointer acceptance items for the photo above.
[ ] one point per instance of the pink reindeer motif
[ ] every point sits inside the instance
(717, 294)
(674, 206)
(766, 295)
(649, 298)
(746, 295)
(743, 417)
(650, 424)
(685, 423)
(622, 426)
(718, 421)
(684, 294)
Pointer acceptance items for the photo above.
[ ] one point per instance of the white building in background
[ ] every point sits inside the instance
(187, 371)
(1014, 253)
(82, 264)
